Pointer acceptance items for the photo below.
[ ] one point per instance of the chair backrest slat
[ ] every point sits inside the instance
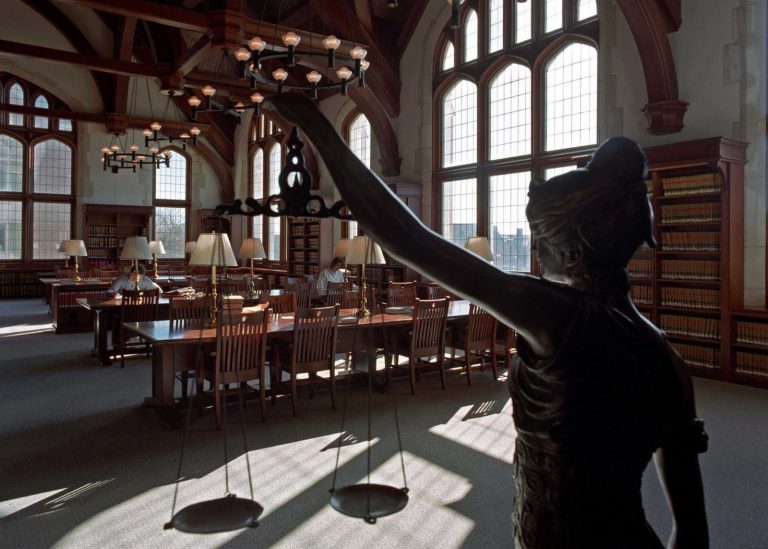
(401, 294)
(314, 338)
(429, 319)
(139, 305)
(481, 329)
(183, 311)
(241, 347)
(280, 304)
(302, 291)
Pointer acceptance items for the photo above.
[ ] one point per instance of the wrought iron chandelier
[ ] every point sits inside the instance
(263, 64)
(153, 133)
(118, 156)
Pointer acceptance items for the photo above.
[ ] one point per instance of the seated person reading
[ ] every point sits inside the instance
(332, 273)
(128, 282)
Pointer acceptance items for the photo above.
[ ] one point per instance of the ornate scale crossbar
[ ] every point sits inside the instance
(295, 198)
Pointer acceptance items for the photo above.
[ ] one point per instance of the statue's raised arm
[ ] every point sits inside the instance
(536, 309)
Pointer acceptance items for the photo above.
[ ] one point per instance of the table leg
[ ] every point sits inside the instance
(101, 326)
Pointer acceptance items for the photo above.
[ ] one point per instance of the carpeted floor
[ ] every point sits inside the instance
(82, 464)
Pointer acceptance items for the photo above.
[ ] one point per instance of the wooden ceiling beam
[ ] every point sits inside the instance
(111, 118)
(382, 77)
(192, 57)
(123, 50)
(91, 62)
(149, 11)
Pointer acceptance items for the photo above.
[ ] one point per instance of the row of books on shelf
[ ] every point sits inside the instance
(755, 333)
(21, 290)
(686, 269)
(705, 241)
(102, 230)
(699, 356)
(693, 326)
(642, 295)
(705, 212)
(301, 269)
(10, 277)
(752, 364)
(640, 268)
(308, 257)
(692, 298)
(700, 183)
(310, 229)
(103, 241)
(96, 253)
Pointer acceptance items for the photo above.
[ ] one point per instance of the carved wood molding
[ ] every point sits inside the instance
(650, 22)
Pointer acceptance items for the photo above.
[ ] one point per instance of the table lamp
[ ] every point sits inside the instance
(364, 251)
(76, 248)
(189, 247)
(215, 250)
(157, 248)
(251, 248)
(63, 249)
(342, 250)
(134, 249)
(479, 246)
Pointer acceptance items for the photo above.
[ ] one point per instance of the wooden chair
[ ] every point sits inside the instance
(183, 312)
(136, 306)
(401, 294)
(240, 357)
(314, 348)
(333, 292)
(437, 292)
(478, 336)
(302, 290)
(280, 304)
(427, 336)
(506, 343)
(350, 299)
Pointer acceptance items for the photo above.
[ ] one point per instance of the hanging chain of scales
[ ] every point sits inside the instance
(366, 500)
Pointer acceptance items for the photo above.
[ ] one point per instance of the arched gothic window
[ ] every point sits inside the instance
(521, 103)
(37, 191)
(359, 139)
(272, 242)
(172, 204)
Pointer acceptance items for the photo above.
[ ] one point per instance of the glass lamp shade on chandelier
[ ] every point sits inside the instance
(256, 64)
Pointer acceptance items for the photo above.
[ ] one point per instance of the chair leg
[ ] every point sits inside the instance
(217, 405)
(412, 363)
(494, 366)
(184, 382)
(262, 394)
(467, 365)
(333, 387)
(294, 393)
(440, 360)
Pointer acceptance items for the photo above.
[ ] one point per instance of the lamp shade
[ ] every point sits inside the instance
(190, 246)
(363, 250)
(156, 247)
(62, 246)
(342, 248)
(76, 248)
(479, 245)
(213, 249)
(252, 248)
(136, 247)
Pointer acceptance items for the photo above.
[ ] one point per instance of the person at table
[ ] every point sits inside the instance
(332, 273)
(130, 282)
(596, 389)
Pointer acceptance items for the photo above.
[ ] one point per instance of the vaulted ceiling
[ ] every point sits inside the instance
(186, 44)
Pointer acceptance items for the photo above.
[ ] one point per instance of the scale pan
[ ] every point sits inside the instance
(217, 515)
(353, 501)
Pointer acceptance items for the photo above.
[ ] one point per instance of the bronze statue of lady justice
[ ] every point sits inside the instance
(596, 388)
